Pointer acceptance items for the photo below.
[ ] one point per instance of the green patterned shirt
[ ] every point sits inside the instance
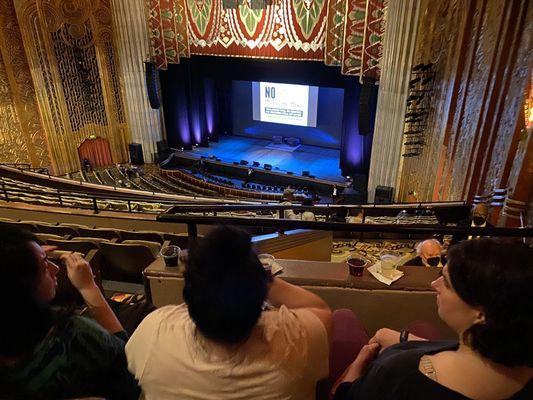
(78, 359)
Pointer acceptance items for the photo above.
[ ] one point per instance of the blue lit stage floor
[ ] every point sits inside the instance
(321, 162)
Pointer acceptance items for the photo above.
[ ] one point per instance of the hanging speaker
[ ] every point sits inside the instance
(367, 98)
(151, 85)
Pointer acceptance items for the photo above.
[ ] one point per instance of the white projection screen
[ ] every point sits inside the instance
(283, 103)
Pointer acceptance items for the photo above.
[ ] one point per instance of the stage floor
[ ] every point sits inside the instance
(321, 162)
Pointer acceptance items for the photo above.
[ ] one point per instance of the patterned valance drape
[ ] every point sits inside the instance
(346, 33)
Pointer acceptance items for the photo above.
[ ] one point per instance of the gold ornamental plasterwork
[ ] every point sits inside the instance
(12, 146)
(30, 142)
(69, 45)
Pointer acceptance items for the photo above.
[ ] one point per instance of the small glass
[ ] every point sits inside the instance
(389, 262)
(171, 255)
(357, 265)
(267, 260)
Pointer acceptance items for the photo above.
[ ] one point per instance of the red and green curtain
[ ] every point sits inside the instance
(346, 33)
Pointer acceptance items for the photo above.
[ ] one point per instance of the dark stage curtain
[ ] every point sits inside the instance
(197, 100)
(97, 151)
(356, 148)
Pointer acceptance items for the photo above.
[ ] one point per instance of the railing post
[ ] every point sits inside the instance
(5, 191)
(95, 206)
(192, 231)
(129, 205)
(59, 198)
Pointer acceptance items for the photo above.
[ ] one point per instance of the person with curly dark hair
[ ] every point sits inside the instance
(483, 294)
(50, 353)
(241, 334)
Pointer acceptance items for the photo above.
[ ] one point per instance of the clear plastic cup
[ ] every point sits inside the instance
(266, 260)
(389, 263)
(357, 265)
(171, 255)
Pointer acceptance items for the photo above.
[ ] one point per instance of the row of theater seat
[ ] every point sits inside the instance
(119, 255)
(18, 191)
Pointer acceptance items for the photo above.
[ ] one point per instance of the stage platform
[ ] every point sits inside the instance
(321, 162)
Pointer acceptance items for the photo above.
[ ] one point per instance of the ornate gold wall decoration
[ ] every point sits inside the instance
(482, 52)
(22, 135)
(69, 45)
(13, 148)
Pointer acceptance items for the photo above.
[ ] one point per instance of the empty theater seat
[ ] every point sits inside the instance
(177, 239)
(150, 236)
(82, 247)
(125, 262)
(43, 238)
(99, 233)
(154, 247)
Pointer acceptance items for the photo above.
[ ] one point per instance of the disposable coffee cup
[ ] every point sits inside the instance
(356, 265)
(171, 255)
(266, 261)
(389, 261)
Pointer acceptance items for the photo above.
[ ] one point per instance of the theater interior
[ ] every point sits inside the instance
(128, 126)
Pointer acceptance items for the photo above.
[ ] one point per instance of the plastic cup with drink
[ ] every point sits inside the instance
(267, 260)
(389, 262)
(357, 264)
(171, 255)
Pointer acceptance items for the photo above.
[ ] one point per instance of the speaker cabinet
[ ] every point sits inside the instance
(268, 167)
(162, 150)
(244, 162)
(152, 86)
(136, 154)
(256, 164)
(367, 99)
(305, 173)
(383, 195)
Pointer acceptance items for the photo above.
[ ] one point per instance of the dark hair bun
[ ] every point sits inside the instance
(496, 276)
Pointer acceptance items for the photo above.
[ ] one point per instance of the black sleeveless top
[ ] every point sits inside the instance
(394, 375)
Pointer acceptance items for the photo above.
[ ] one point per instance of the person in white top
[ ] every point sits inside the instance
(222, 343)
(308, 215)
(288, 198)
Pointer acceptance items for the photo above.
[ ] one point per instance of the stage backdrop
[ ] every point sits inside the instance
(337, 32)
(327, 133)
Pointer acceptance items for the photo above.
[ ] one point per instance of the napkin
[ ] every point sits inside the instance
(276, 268)
(375, 271)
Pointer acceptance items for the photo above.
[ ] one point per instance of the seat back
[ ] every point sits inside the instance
(45, 237)
(125, 262)
(20, 225)
(142, 235)
(177, 239)
(99, 233)
(154, 247)
(57, 230)
(74, 245)
(95, 240)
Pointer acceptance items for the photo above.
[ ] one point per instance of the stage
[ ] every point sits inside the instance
(321, 162)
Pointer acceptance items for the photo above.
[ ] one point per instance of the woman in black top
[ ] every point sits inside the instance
(484, 294)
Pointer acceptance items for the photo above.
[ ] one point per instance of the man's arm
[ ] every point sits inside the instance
(292, 296)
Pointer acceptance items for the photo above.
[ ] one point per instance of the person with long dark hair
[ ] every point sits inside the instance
(49, 353)
(226, 341)
(484, 295)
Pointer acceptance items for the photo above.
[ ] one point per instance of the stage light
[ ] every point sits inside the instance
(196, 144)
